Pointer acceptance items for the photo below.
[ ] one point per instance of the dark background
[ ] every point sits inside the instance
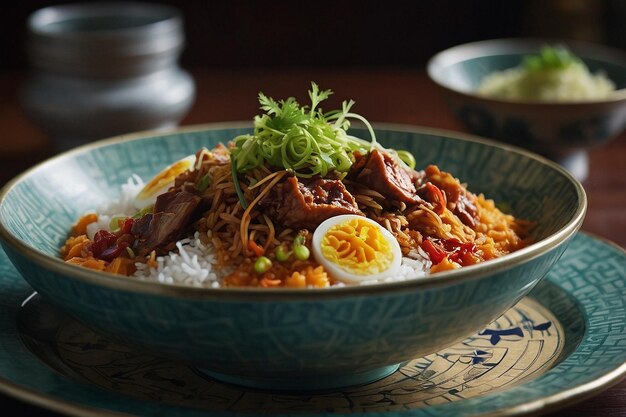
(390, 33)
(320, 34)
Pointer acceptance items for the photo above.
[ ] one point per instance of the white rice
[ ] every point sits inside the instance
(122, 207)
(192, 265)
(194, 262)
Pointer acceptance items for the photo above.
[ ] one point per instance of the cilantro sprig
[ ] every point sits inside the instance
(302, 139)
(551, 58)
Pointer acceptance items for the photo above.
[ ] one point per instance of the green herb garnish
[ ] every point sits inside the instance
(551, 58)
(406, 157)
(114, 223)
(203, 182)
(233, 173)
(302, 139)
(143, 211)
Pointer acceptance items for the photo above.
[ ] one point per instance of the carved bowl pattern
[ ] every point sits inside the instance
(286, 339)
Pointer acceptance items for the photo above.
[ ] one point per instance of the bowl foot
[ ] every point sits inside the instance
(300, 383)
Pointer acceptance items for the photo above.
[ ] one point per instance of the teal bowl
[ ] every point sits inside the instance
(560, 131)
(286, 339)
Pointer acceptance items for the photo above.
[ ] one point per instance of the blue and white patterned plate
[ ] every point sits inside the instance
(566, 340)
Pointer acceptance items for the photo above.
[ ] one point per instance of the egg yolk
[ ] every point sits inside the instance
(358, 247)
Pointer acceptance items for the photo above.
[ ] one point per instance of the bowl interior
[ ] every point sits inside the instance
(41, 206)
(462, 68)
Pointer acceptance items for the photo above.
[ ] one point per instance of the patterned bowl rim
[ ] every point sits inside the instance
(445, 278)
(512, 46)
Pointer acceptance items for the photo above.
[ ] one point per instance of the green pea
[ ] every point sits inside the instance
(301, 252)
(262, 264)
(282, 254)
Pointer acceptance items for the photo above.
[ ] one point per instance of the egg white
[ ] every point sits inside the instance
(149, 193)
(340, 273)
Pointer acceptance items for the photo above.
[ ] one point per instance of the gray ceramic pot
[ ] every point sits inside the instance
(102, 69)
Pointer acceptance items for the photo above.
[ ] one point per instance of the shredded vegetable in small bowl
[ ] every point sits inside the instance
(554, 74)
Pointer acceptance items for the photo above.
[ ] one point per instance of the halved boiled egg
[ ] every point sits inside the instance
(162, 182)
(354, 248)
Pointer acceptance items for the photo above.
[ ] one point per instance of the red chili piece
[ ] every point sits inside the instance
(438, 197)
(108, 246)
(126, 226)
(435, 253)
(458, 251)
(101, 241)
(113, 252)
(454, 249)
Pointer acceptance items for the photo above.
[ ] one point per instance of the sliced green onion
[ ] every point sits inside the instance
(203, 183)
(233, 170)
(301, 138)
(407, 157)
(144, 211)
(131, 253)
(342, 162)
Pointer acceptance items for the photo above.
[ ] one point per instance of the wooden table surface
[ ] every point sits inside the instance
(382, 95)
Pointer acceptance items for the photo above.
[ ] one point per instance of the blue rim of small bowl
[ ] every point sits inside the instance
(529, 45)
(440, 279)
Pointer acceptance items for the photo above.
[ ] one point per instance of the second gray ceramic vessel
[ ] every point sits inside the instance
(103, 69)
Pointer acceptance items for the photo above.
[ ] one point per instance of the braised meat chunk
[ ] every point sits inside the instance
(173, 212)
(304, 206)
(380, 172)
